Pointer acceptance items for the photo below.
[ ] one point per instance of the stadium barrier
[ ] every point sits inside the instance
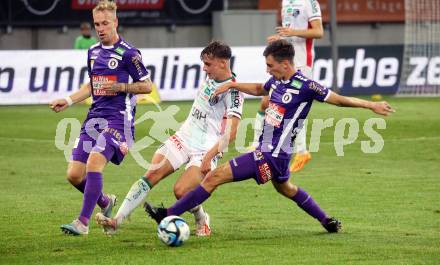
(39, 76)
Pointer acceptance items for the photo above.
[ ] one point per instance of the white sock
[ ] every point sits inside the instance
(133, 199)
(300, 142)
(198, 212)
(258, 128)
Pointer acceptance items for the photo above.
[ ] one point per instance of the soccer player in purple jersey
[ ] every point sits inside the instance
(108, 131)
(290, 101)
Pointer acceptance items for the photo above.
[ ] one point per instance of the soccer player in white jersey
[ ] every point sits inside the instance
(196, 143)
(301, 24)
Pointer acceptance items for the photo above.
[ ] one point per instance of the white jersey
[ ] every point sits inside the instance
(296, 14)
(203, 127)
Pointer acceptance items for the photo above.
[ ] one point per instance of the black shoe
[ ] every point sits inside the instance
(332, 225)
(157, 213)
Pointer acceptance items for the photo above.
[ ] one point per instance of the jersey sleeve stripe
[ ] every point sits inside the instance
(328, 95)
(145, 77)
(234, 113)
(315, 18)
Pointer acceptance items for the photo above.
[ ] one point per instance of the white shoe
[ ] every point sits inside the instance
(202, 226)
(75, 228)
(108, 224)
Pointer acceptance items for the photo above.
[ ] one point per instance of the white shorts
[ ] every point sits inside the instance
(178, 153)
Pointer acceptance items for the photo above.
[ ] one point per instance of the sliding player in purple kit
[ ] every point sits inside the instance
(289, 103)
(108, 131)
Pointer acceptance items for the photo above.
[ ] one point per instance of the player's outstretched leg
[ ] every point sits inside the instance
(190, 179)
(215, 178)
(332, 225)
(308, 204)
(156, 213)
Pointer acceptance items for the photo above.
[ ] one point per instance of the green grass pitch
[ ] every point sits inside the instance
(389, 202)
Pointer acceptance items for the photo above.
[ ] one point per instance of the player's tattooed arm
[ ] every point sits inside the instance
(255, 89)
(63, 103)
(140, 87)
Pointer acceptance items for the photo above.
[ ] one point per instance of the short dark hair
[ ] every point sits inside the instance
(280, 50)
(217, 49)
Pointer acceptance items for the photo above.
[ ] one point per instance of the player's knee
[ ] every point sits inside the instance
(74, 176)
(286, 189)
(180, 190)
(96, 162)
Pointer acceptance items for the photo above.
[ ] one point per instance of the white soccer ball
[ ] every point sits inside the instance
(173, 231)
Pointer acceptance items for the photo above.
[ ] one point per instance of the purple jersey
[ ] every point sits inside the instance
(122, 63)
(289, 104)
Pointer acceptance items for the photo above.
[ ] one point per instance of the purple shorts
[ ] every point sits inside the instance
(109, 142)
(260, 166)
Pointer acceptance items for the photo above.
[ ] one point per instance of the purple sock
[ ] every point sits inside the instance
(103, 199)
(92, 191)
(190, 200)
(306, 202)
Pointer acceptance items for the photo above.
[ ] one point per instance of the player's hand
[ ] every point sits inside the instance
(222, 89)
(382, 108)
(273, 38)
(205, 167)
(112, 86)
(284, 31)
(58, 105)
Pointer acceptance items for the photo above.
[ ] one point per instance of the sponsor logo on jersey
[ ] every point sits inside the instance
(317, 88)
(213, 100)
(120, 50)
(116, 56)
(235, 99)
(292, 91)
(198, 114)
(314, 5)
(137, 62)
(115, 133)
(274, 114)
(113, 63)
(98, 81)
(296, 12)
(286, 98)
(296, 84)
